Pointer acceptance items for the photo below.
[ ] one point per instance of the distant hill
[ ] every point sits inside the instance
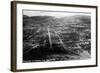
(77, 19)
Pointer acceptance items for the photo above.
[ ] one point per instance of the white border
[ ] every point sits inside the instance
(21, 65)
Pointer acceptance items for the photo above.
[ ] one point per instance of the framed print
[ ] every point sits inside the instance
(48, 36)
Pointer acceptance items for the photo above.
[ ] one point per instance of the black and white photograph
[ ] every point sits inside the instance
(56, 36)
(47, 36)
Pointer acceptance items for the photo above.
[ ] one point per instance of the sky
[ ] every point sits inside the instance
(51, 13)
